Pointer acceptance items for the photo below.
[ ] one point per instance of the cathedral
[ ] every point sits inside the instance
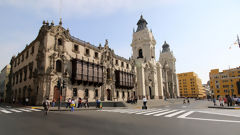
(58, 66)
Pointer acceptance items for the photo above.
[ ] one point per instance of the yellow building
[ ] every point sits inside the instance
(226, 82)
(190, 85)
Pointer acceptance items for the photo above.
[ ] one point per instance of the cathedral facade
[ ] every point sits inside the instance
(88, 71)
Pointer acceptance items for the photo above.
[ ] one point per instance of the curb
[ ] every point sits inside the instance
(234, 108)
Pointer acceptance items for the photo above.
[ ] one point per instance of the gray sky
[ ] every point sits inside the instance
(199, 32)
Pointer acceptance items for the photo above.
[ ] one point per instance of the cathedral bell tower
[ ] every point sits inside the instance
(143, 42)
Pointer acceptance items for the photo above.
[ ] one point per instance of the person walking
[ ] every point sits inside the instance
(188, 101)
(86, 103)
(53, 103)
(221, 101)
(46, 106)
(144, 103)
(72, 105)
(214, 101)
(26, 101)
(184, 102)
(69, 103)
(80, 102)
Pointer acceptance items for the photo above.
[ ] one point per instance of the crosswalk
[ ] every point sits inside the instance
(183, 114)
(17, 110)
(154, 112)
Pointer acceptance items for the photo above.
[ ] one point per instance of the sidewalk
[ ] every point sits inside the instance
(65, 109)
(224, 107)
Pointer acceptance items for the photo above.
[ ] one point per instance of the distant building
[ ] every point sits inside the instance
(225, 83)
(206, 88)
(3, 81)
(190, 85)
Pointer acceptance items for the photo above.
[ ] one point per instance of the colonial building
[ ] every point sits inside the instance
(190, 85)
(3, 82)
(225, 83)
(87, 71)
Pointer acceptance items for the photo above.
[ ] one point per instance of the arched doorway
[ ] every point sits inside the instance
(56, 94)
(150, 93)
(108, 94)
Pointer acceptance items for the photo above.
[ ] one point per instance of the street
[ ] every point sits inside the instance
(167, 120)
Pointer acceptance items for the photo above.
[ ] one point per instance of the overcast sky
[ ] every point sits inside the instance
(199, 32)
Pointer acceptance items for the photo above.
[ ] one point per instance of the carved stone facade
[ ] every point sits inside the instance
(170, 82)
(89, 71)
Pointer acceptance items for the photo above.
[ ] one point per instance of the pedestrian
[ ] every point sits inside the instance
(13, 100)
(46, 106)
(97, 104)
(188, 101)
(69, 102)
(229, 100)
(86, 103)
(221, 101)
(184, 102)
(214, 101)
(72, 105)
(26, 101)
(238, 100)
(80, 102)
(53, 103)
(144, 103)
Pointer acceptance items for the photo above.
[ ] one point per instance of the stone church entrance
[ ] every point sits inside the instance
(56, 94)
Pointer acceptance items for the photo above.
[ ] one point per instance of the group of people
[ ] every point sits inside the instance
(229, 101)
(79, 104)
(132, 100)
(187, 99)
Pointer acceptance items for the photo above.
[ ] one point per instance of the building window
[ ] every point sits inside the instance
(122, 64)
(22, 57)
(76, 48)
(86, 93)
(96, 93)
(96, 55)
(74, 92)
(123, 94)
(116, 61)
(140, 53)
(20, 76)
(87, 51)
(58, 66)
(59, 41)
(127, 66)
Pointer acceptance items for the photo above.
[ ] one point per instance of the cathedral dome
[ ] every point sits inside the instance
(142, 24)
(165, 47)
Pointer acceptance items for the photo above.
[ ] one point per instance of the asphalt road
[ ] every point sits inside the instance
(120, 122)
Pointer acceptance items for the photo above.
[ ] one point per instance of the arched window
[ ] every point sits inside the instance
(59, 41)
(86, 93)
(140, 53)
(58, 66)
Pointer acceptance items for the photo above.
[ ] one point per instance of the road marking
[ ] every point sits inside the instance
(185, 114)
(14, 110)
(5, 111)
(232, 121)
(218, 113)
(147, 111)
(164, 113)
(36, 110)
(174, 114)
(25, 110)
(156, 112)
